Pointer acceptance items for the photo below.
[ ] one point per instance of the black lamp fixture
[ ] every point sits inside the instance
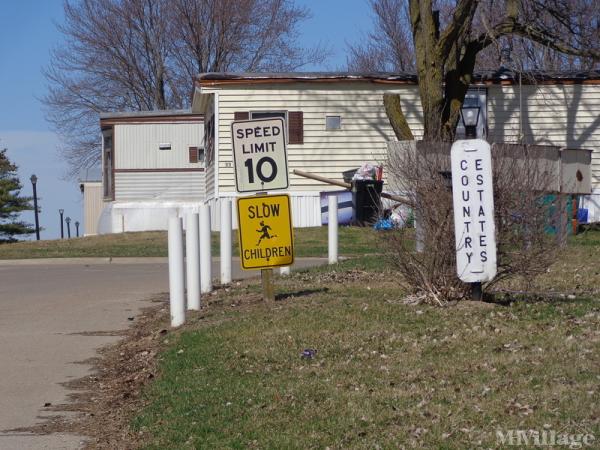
(470, 118)
(68, 220)
(62, 223)
(76, 229)
(34, 180)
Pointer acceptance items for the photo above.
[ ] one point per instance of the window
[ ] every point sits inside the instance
(293, 119)
(333, 122)
(268, 115)
(107, 165)
(164, 146)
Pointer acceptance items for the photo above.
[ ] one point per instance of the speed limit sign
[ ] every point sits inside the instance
(259, 155)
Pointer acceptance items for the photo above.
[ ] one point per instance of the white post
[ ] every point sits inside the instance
(333, 229)
(176, 281)
(192, 259)
(225, 241)
(284, 271)
(205, 251)
(419, 234)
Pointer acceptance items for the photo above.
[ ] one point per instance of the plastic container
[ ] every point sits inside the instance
(348, 174)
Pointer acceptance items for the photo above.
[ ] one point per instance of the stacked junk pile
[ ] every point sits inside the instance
(365, 185)
(361, 203)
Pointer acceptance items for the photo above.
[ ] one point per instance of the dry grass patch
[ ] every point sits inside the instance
(384, 375)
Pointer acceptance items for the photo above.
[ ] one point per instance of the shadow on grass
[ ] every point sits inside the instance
(507, 298)
(289, 295)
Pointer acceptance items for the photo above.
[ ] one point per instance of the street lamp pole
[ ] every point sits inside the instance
(35, 206)
(62, 224)
(68, 220)
(77, 229)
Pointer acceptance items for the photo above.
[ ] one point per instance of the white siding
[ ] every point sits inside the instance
(159, 186)
(306, 209)
(136, 145)
(363, 137)
(562, 115)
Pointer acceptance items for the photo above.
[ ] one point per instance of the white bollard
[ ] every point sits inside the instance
(284, 271)
(192, 260)
(176, 276)
(205, 250)
(333, 229)
(225, 241)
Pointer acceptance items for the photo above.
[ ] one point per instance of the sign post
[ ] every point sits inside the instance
(264, 221)
(473, 200)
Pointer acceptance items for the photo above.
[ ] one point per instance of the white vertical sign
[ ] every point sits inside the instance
(473, 197)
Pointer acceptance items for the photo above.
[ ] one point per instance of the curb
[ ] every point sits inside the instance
(110, 260)
(82, 261)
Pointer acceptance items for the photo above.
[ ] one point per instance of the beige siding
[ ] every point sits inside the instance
(92, 207)
(159, 186)
(562, 115)
(136, 145)
(363, 137)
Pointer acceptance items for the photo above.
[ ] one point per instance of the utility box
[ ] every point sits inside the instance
(576, 171)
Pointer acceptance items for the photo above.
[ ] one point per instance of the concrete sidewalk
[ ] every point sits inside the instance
(43, 307)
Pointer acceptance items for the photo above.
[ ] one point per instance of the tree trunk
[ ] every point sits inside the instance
(393, 109)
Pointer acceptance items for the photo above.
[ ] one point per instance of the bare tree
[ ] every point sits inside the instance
(137, 55)
(451, 37)
(388, 48)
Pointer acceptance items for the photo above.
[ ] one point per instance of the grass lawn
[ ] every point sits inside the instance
(385, 374)
(308, 242)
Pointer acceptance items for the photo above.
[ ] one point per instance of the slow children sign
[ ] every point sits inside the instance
(473, 197)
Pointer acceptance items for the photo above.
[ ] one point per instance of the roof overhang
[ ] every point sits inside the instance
(500, 76)
(200, 100)
(160, 116)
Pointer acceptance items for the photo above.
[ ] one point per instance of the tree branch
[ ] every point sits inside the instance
(393, 109)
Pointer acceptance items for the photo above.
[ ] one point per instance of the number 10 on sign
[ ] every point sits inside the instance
(259, 155)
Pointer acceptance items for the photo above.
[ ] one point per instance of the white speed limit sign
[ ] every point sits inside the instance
(259, 155)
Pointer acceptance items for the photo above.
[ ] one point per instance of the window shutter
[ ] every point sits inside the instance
(193, 154)
(296, 127)
(241, 115)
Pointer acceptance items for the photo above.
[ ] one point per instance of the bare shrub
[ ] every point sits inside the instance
(527, 207)
(529, 212)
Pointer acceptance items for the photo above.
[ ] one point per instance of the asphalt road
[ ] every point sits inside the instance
(43, 308)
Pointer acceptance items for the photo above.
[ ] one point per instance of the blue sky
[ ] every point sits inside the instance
(27, 34)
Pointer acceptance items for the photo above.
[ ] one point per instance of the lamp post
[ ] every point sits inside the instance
(77, 229)
(470, 119)
(62, 223)
(35, 206)
(68, 220)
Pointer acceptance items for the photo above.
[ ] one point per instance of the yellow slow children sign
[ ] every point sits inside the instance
(265, 231)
